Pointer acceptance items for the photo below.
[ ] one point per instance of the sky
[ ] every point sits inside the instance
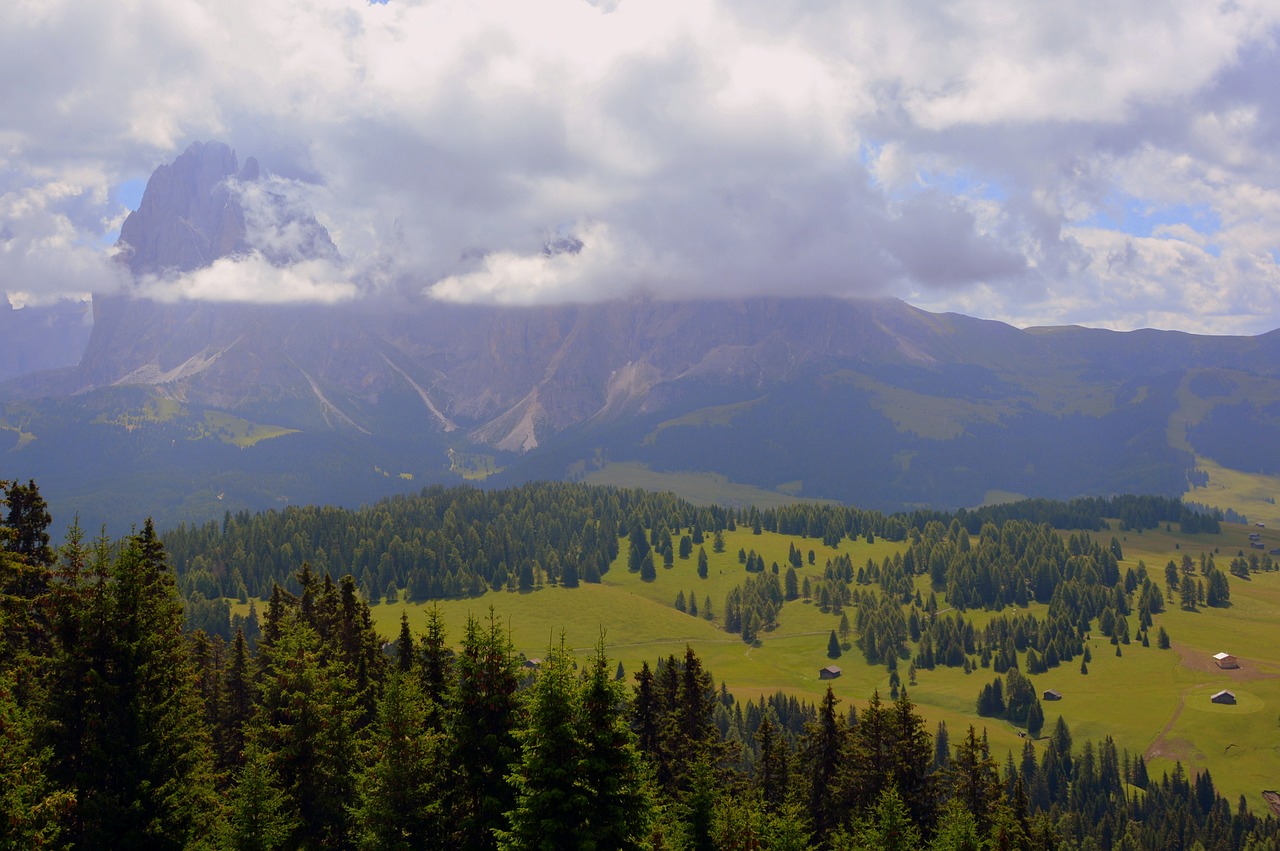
(1107, 164)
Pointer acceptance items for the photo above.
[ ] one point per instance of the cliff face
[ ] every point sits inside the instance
(188, 216)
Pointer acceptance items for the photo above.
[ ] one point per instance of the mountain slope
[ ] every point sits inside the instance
(189, 408)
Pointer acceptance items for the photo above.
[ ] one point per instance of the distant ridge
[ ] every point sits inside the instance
(873, 402)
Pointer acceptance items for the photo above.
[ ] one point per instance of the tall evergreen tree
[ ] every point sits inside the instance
(260, 816)
(399, 796)
(305, 721)
(824, 750)
(484, 716)
(126, 726)
(550, 797)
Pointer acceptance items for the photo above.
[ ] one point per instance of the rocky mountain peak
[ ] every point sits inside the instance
(188, 217)
(204, 206)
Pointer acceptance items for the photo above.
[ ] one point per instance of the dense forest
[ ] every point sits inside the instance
(464, 541)
(123, 727)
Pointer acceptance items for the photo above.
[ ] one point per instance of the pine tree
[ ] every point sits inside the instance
(833, 646)
(578, 782)
(404, 645)
(260, 816)
(772, 769)
(33, 809)
(823, 752)
(620, 804)
(305, 719)
(483, 718)
(702, 563)
(235, 707)
(435, 669)
(647, 570)
(399, 795)
(126, 726)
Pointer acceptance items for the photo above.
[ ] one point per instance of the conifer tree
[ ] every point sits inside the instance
(824, 750)
(405, 650)
(399, 797)
(125, 722)
(235, 706)
(484, 715)
(773, 775)
(305, 719)
(550, 798)
(33, 810)
(260, 816)
(833, 646)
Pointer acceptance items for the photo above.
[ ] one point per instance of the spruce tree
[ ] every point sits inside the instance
(833, 646)
(260, 816)
(235, 706)
(305, 718)
(484, 715)
(823, 752)
(550, 798)
(398, 804)
(125, 722)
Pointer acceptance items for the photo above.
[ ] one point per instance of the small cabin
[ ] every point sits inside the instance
(829, 673)
(532, 664)
(1224, 696)
(1052, 694)
(1225, 660)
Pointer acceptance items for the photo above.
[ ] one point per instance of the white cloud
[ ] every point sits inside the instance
(955, 153)
(252, 278)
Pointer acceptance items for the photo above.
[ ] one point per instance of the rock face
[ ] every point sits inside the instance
(188, 216)
(509, 378)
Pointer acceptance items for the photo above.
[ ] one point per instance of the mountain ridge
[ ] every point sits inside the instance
(868, 400)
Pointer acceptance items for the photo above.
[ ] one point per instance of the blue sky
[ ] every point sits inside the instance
(1101, 164)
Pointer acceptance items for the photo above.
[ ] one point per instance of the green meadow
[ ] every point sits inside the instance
(698, 488)
(1151, 701)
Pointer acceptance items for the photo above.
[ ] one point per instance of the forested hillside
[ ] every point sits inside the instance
(120, 729)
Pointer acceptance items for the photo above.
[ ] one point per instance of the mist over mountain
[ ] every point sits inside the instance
(202, 389)
(39, 337)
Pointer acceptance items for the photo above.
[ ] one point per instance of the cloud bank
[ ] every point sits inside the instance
(1040, 164)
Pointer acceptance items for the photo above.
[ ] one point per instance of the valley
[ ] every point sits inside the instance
(1152, 702)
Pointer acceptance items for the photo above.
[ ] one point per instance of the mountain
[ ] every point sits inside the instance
(39, 337)
(184, 410)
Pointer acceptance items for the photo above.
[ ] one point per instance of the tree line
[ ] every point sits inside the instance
(120, 728)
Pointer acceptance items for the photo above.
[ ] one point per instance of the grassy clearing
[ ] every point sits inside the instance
(1151, 701)
(713, 415)
(1247, 493)
(24, 437)
(239, 432)
(473, 466)
(698, 488)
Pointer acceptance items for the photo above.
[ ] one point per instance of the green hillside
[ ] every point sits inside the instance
(1154, 702)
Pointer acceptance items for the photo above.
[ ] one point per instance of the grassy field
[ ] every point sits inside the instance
(1150, 701)
(698, 488)
(1252, 494)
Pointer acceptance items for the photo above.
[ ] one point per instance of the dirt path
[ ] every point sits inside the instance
(1196, 660)
(1163, 746)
